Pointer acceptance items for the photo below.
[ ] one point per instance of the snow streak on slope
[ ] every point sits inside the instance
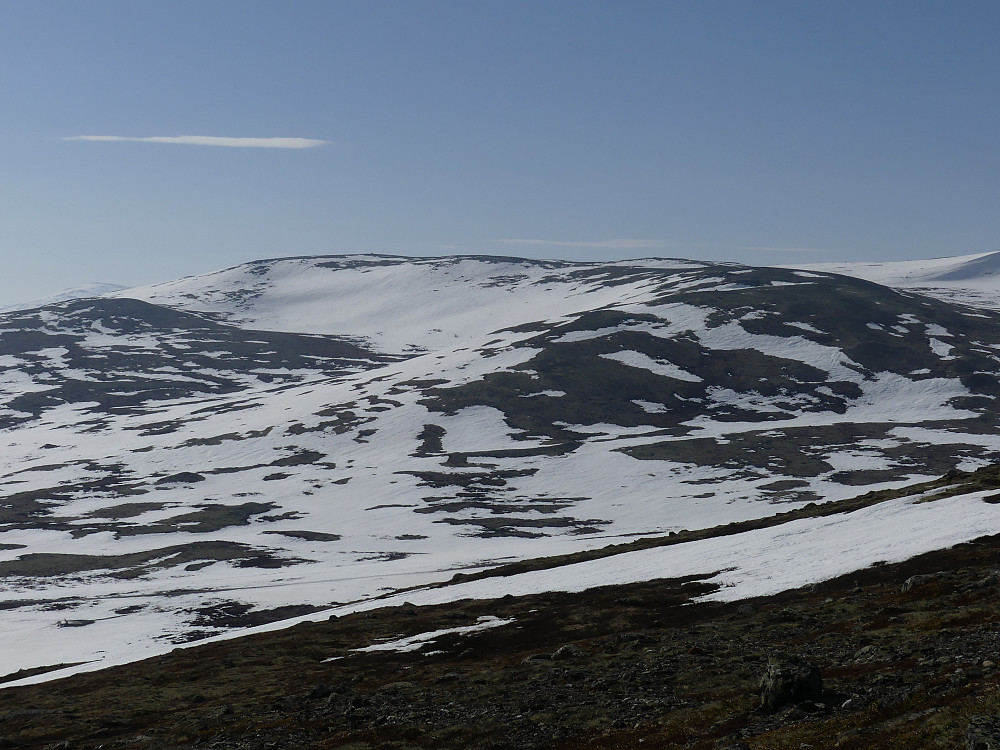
(292, 434)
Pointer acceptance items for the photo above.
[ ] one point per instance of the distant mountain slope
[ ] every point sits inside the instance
(117, 355)
(81, 292)
(405, 304)
(966, 279)
(288, 434)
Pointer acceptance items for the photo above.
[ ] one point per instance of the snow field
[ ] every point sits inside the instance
(366, 487)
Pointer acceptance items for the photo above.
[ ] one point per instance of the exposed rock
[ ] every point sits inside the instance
(789, 680)
(866, 652)
(913, 581)
(569, 651)
(183, 477)
(319, 691)
(983, 733)
(531, 658)
(990, 581)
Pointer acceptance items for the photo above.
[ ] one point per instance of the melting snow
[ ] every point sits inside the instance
(414, 642)
(656, 366)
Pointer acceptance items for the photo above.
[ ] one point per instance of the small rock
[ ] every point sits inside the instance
(319, 691)
(865, 652)
(914, 581)
(848, 704)
(569, 651)
(222, 711)
(789, 680)
(794, 714)
(391, 687)
(532, 658)
(988, 664)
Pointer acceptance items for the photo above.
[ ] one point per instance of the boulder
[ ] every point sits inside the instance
(787, 681)
(918, 580)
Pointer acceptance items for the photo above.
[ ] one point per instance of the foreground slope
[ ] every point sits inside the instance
(906, 652)
(293, 435)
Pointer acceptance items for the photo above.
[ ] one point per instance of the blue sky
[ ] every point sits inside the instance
(758, 132)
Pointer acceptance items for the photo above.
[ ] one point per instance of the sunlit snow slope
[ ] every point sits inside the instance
(288, 435)
(82, 292)
(965, 279)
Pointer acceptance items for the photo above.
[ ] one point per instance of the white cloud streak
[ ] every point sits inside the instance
(625, 244)
(208, 140)
(763, 248)
(616, 243)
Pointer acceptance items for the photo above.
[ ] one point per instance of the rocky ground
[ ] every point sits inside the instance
(907, 654)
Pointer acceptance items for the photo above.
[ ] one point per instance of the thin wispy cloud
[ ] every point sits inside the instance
(764, 248)
(208, 140)
(621, 244)
(628, 244)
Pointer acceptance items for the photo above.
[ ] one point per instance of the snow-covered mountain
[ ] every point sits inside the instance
(295, 434)
(965, 279)
(81, 292)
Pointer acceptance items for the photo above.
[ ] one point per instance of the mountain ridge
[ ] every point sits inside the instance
(558, 408)
(965, 279)
(85, 291)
